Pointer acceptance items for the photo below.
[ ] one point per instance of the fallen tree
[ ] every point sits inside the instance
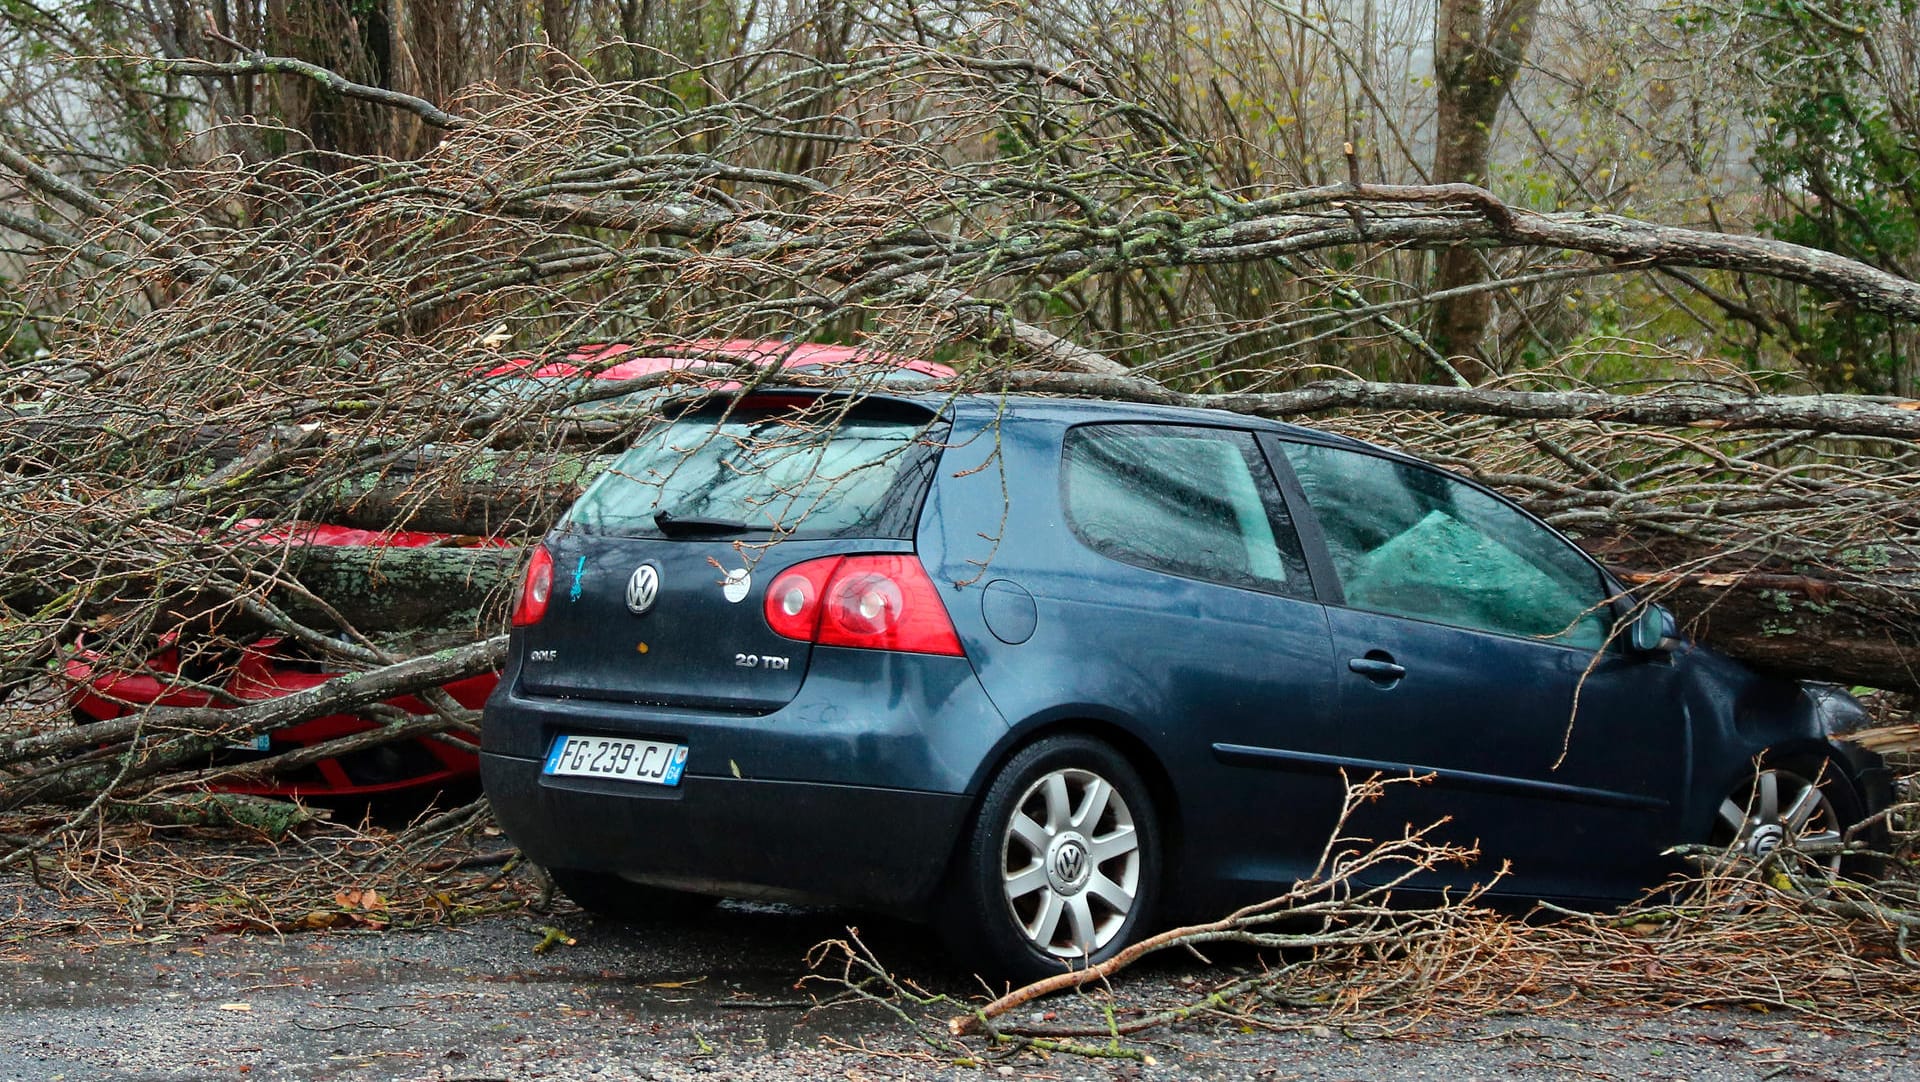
(87, 764)
(1782, 603)
(247, 344)
(200, 729)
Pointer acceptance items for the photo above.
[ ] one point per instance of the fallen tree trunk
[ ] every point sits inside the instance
(1830, 414)
(414, 595)
(1811, 618)
(1805, 617)
(479, 494)
(1799, 625)
(410, 590)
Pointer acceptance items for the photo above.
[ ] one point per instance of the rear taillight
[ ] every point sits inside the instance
(536, 589)
(869, 601)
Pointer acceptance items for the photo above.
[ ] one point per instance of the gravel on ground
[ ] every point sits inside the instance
(723, 997)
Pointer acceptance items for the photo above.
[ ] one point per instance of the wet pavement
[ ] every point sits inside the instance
(715, 997)
(475, 1002)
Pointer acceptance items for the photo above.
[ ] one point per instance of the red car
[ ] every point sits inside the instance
(271, 667)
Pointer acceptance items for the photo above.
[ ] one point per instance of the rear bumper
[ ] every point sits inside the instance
(854, 792)
(883, 849)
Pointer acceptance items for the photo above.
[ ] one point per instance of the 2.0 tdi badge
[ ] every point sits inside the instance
(643, 589)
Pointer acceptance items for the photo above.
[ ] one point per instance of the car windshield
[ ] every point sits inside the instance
(784, 472)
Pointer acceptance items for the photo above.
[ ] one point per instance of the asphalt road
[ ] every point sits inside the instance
(715, 998)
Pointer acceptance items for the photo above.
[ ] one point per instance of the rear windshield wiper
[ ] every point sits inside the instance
(672, 524)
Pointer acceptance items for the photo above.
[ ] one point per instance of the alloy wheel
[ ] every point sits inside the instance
(1784, 813)
(1071, 863)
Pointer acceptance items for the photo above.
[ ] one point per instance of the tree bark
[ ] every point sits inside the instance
(1446, 215)
(488, 494)
(380, 590)
(1476, 54)
(1829, 414)
(1806, 619)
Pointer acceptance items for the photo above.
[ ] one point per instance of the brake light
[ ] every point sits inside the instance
(535, 590)
(869, 601)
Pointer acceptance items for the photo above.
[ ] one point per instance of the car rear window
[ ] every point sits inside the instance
(793, 472)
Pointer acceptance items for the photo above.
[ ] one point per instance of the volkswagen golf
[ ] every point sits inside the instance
(1047, 672)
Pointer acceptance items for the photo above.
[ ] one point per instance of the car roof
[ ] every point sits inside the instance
(987, 407)
(1062, 410)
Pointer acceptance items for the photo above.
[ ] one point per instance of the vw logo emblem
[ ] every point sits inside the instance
(1069, 865)
(643, 589)
(1067, 862)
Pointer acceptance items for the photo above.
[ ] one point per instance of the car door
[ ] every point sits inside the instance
(1172, 598)
(1472, 646)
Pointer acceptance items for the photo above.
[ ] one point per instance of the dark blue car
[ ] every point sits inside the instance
(1050, 672)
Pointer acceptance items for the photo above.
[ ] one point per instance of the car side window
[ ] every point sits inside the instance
(1411, 541)
(1195, 502)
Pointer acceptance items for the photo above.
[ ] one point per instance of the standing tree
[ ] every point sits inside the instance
(1477, 52)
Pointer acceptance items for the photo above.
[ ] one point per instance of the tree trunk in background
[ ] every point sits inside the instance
(556, 18)
(411, 46)
(1476, 53)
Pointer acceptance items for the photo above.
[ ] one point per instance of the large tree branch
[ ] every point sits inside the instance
(1829, 414)
(1442, 215)
(973, 317)
(175, 259)
(1411, 216)
(259, 64)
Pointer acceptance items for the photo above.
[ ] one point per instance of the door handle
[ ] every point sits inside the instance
(1383, 669)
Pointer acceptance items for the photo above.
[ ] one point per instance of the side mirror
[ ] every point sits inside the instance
(1654, 631)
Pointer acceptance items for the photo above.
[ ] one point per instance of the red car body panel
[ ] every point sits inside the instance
(263, 673)
(314, 533)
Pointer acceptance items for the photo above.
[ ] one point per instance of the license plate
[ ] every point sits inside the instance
(648, 761)
(263, 742)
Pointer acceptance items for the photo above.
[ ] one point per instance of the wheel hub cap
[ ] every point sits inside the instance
(1069, 865)
(1765, 839)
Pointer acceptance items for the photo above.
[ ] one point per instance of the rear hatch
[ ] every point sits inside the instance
(660, 569)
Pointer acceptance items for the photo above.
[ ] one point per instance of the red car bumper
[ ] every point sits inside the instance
(264, 672)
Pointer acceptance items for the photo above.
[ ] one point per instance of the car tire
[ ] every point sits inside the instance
(1785, 805)
(1060, 866)
(618, 899)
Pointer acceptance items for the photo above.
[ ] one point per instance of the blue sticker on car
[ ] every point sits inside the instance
(675, 766)
(579, 571)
